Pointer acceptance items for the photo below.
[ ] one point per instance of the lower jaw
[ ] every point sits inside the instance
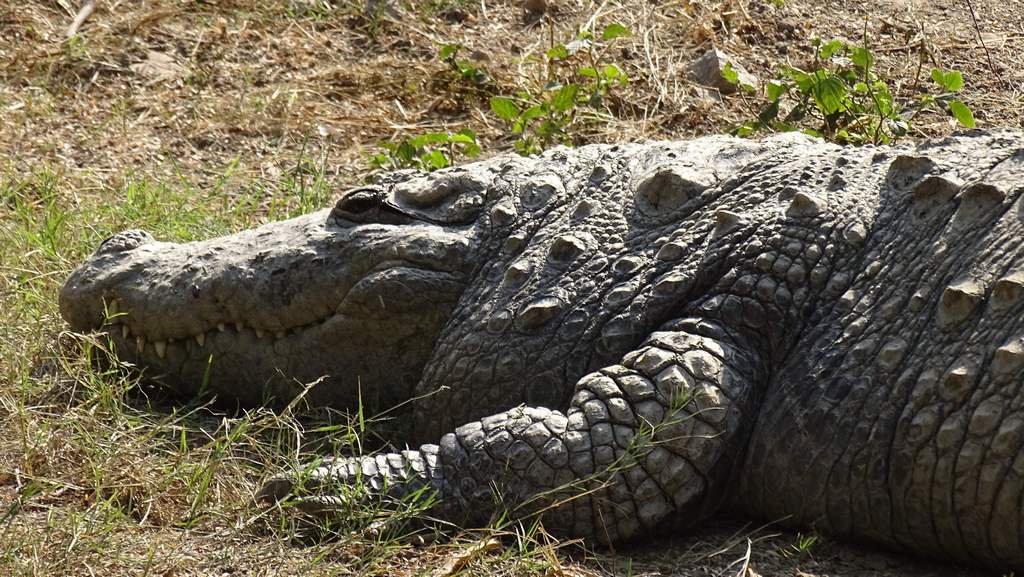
(242, 367)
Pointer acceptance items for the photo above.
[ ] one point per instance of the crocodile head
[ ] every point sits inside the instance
(356, 294)
(469, 290)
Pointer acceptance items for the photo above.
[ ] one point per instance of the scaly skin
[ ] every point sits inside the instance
(629, 337)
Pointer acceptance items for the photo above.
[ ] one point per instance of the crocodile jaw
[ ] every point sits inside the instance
(263, 312)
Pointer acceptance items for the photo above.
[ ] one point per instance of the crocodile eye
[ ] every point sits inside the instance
(357, 202)
(124, 241)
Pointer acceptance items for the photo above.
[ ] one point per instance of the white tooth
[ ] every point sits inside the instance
(221, 327)
(140, 344)
(160, 347)
(201, 339)
(259, 333)
(239, 326)
(124, 331)
(279, 334)
(113, 307)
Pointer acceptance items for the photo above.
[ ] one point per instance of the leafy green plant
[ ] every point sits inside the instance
(844, 99)
(463, 70)
(950, 81)
(578, 80)
(429, 152)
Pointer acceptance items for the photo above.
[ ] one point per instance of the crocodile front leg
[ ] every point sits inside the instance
(657, 434)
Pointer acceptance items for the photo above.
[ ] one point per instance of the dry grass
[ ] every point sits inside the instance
(193, 119)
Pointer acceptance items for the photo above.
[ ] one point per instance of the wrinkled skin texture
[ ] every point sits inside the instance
(641, 334)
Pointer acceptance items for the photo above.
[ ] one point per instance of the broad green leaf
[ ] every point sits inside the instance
(885, 104)
(565, 98)
(558, 52)
(472, 149)
(437, 159)
(449, 51)
(804, 81)
(433, 138)
(962, 114)
(775, 90)
(505, 108)
(533, 112)
(613, 31)
(954, 80)
(830, 93)
(730, 75)
(745, 129)
(612, 71)
(951, 81)
(830, 48)
(588, 71)
(862, 57)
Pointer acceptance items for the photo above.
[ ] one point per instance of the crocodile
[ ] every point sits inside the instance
(629, 338)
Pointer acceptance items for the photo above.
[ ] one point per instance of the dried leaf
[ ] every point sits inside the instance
(455, 564)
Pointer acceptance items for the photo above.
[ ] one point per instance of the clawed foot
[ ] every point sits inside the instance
(404, 484)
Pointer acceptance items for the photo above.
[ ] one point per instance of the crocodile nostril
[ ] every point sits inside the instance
(123, 241)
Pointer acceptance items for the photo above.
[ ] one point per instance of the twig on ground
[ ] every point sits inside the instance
(977, 30)
(86, 10)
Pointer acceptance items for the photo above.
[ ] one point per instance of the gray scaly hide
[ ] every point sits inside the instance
(641, 333)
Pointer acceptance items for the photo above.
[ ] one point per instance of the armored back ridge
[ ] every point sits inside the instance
(626, 337)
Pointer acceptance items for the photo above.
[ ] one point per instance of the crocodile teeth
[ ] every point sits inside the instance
(259, 333)
(124, 331)
(160, 347)
(221, 327)
(201, 339)
(279, 334)
(113, 308)
(239, 326)
(140, 344)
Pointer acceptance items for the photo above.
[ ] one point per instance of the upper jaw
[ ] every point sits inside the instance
(275, 279)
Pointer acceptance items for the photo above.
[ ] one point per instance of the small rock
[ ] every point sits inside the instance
(707, 70)
(157, 66)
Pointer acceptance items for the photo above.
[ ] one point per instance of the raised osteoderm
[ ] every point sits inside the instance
(799, 330)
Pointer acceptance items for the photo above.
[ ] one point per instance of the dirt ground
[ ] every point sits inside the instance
(216, 95)
(193, 88)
